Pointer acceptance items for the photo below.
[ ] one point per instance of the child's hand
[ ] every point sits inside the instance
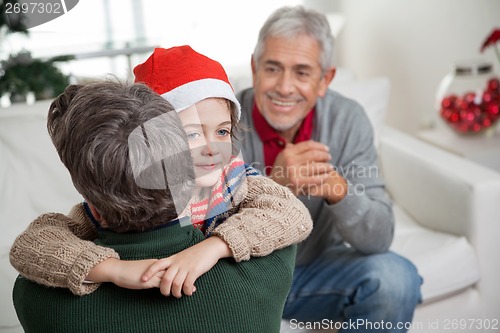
(126, 273)
(183, 268)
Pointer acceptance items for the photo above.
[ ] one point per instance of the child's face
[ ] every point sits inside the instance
(208, 128)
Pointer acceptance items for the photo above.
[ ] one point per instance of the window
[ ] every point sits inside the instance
(225, 30)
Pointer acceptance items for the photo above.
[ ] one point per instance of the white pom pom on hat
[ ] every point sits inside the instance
(184, 77)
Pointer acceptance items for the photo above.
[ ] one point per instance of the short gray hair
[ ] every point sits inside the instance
(291, 22)
(91, 126)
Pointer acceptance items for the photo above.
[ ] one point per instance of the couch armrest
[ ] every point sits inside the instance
(447, 193)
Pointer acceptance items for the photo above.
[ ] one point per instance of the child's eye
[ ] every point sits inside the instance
(223, 132)
(193, 135)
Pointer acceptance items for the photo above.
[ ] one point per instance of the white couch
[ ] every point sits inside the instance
(447, 224)
(445, 210)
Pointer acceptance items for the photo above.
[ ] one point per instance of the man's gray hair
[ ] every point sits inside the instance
(291, 22)
(124, 147)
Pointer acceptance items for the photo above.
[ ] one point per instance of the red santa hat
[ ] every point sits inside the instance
(184, 77)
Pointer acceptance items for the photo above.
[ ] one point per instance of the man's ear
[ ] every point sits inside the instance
(326, 79)
(94, 212)
(254, 68)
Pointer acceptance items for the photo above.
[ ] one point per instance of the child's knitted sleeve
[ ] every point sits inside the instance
(270, 217)
(57, 251)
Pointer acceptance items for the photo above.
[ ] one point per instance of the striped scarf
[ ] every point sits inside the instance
(208, 213)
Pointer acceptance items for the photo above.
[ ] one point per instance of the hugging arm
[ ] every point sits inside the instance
(57, 251)
(270, 217)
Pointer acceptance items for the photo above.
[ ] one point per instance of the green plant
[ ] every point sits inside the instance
(21, 74)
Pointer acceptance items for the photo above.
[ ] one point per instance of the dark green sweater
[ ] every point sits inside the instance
(232, 297)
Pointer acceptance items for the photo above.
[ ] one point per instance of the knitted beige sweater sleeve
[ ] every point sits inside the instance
(270, 217)
(57, 251)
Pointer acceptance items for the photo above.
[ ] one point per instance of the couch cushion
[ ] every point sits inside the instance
(446, 262)
(373, 95)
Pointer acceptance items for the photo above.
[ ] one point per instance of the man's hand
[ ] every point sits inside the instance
(305, 169)
(333, 189)
(126, 273)
(182, 269)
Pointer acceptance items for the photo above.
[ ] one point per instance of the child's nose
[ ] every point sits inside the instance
(210, 148)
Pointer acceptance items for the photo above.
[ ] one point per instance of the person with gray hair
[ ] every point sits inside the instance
(126, 129)
(320, 145)
(128, 155)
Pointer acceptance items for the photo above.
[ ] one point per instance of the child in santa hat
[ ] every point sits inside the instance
(199, 90)
(259, 215)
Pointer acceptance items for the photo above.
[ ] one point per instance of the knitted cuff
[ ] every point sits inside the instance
(89, 258)
(235, 239)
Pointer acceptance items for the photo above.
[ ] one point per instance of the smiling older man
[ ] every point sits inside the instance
(320, 144)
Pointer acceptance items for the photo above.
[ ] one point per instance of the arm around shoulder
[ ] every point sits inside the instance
(270, 217)
(56, 250)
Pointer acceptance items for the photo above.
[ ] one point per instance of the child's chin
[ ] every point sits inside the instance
(208, 180)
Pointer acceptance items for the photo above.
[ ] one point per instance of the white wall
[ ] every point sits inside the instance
(414, 43)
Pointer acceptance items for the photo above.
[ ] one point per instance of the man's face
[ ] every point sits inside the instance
(287, 81)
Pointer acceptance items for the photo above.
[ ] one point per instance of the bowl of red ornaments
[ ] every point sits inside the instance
(469, 98)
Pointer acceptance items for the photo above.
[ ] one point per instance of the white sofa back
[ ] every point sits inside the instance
(32, 181)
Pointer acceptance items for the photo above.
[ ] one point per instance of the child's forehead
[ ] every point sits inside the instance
(225, 103)
(207, 111)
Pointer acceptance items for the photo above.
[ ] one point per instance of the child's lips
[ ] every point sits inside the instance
(208, 166)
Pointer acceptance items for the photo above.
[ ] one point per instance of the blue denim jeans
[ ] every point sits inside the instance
(368, 293)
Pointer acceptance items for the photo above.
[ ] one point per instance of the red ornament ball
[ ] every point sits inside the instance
(471, 113)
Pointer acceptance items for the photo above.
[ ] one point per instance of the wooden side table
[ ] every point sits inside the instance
(482, 148)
